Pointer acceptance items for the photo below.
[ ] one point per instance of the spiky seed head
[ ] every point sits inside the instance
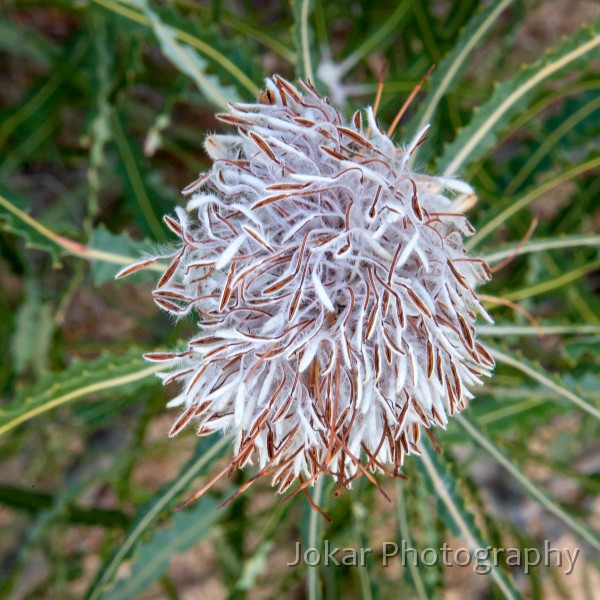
(335, 301)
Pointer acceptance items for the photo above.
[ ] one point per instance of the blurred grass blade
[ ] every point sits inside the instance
(264, 37)
(301, 10)
(185, 57)
(64, 67)
(24, 500)
(513, 95)
(404, 534)
(552, 284)
(207, 452)
(523, 365)
(99, 129)
(32, 336)
(81, 379)
(377, 40)
(580, 529)
(34, 233)
(135, 179)
(552, 141)
(526, 199)
(445, 76)
(153, 555)
(459, 518)
(542, 245)
(547, 329)
(314, 520)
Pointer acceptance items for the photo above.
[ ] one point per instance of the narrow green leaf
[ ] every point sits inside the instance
(185, 50)
(542, 245)
(552, 141)
(379, 38)
(554, 283)
(52, 87)
(513, 95)
(244, 28)
(39, 236)
(99, 129)
(15, 220)
(537, 374)
(446, 75)
(187, 59)
(458, 517)
(314, 521)
(35, 502)
(423, 593)
(38, 47)
(207, 452)
(135, 179)
(499, 330)
(580, 529)
(521, 202)
(80, 379)
(153, 556)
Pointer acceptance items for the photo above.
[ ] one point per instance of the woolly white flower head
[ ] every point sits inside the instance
(335, 297)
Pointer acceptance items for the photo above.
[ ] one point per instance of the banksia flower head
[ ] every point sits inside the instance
(335, 299)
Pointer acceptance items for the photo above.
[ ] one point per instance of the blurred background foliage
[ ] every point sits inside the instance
(104, 105)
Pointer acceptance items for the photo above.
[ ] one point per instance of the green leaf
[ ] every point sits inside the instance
(505, 330)
(580, 529)
(82, 378)
(313, 533)
(536, 372)
(39, 236)
(136, 184)
(187, 51)
(457, 516)
(38, 47)
(99, 128)
(542, 245)
(552, 139)
(188, 60)
(29, 110)
(418, 576)
(381, 37)
(34, 234)
(514, 95)
(208, 451)
(153, 556)
(517, 204)
(446, 75)
(554, 283)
